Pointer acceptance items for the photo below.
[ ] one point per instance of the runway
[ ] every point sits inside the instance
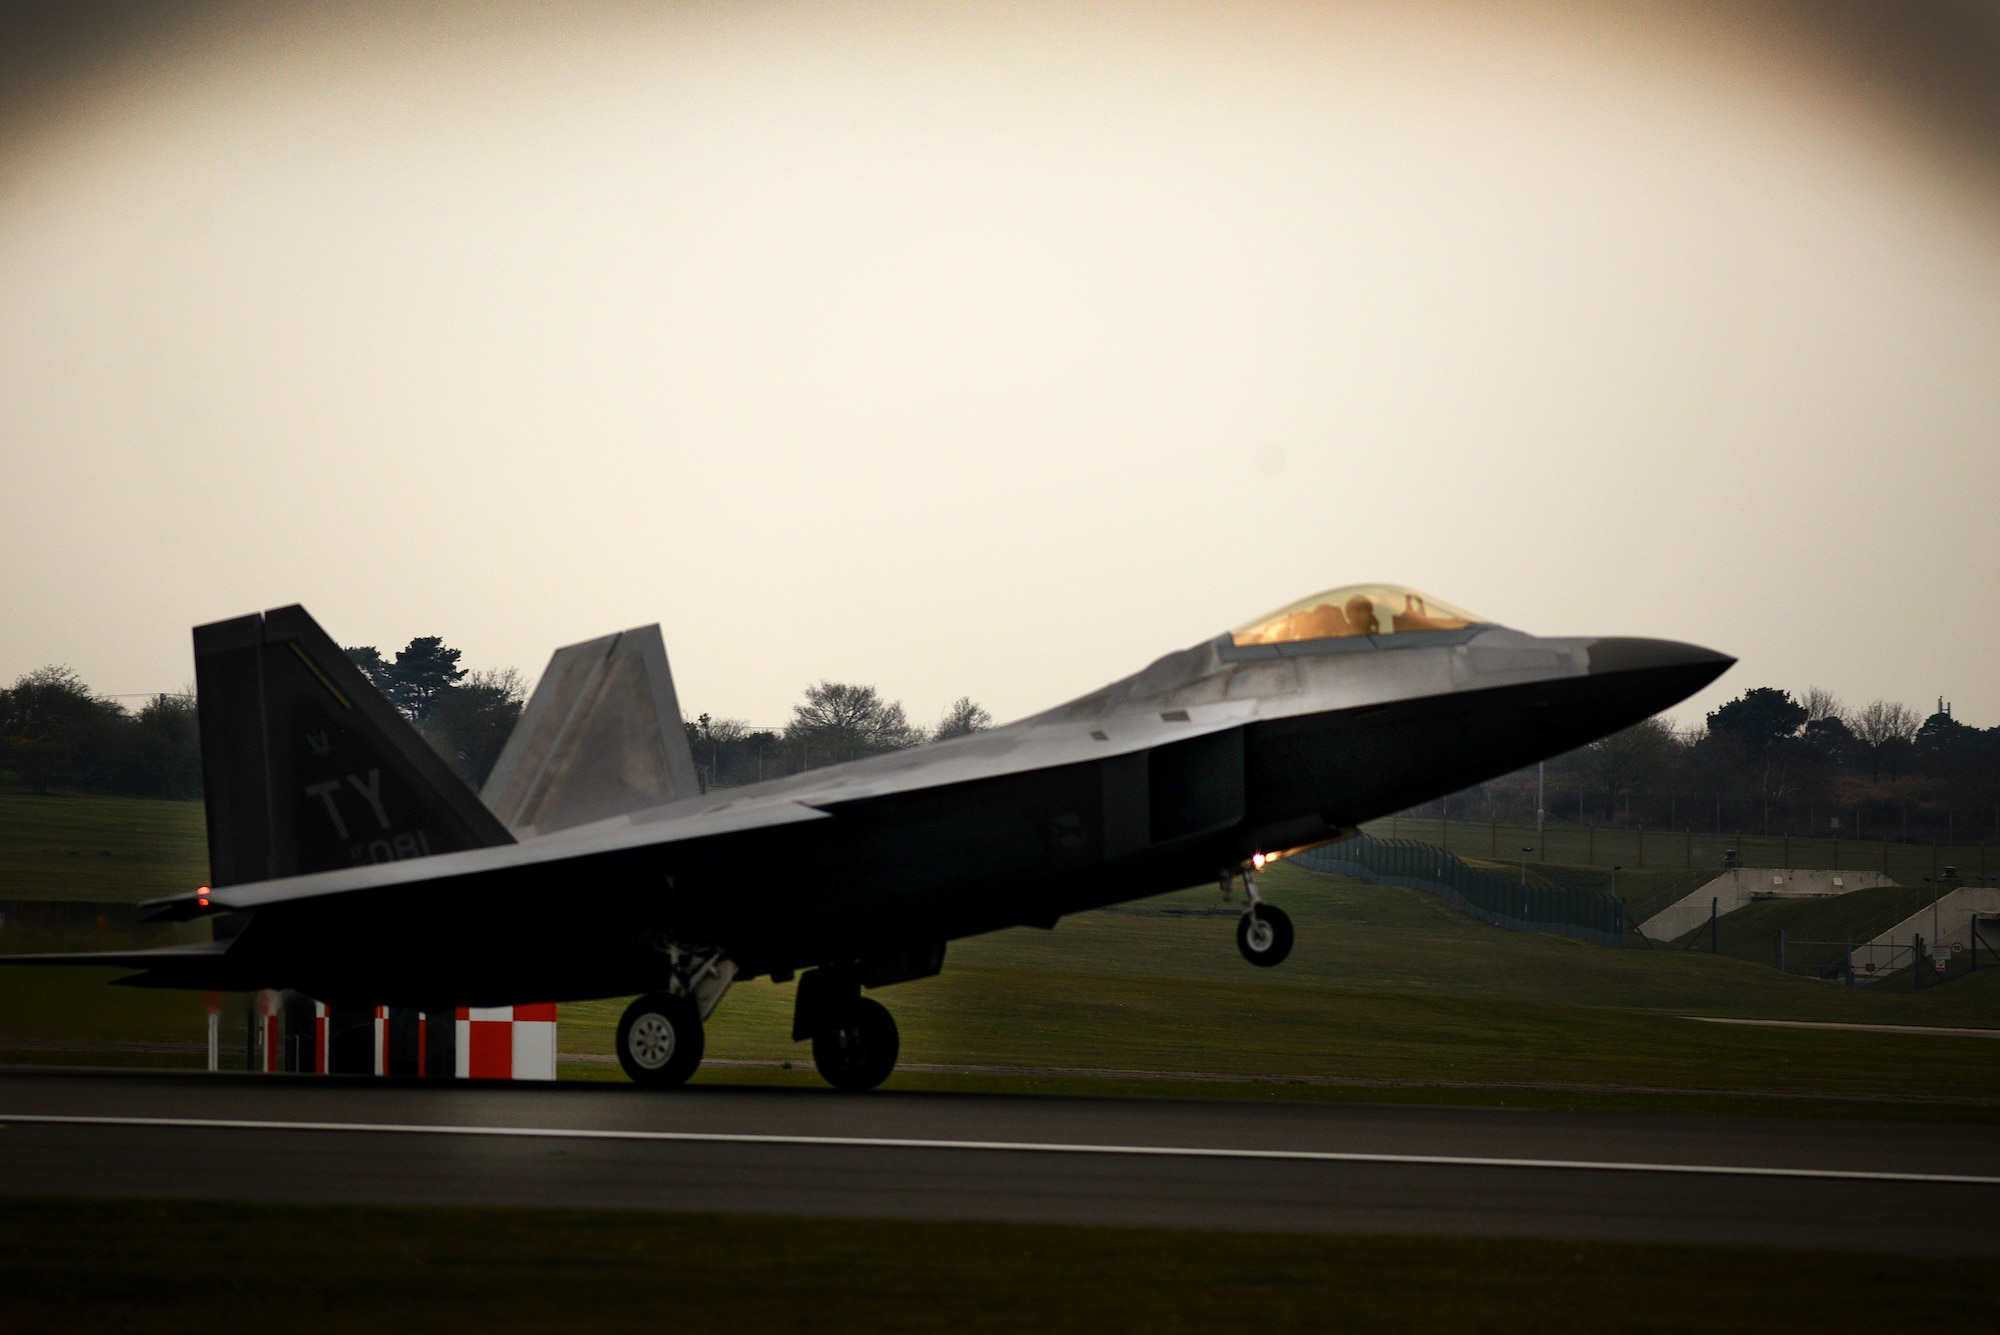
(1316, 1167)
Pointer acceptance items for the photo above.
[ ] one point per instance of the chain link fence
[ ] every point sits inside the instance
(1583, 914)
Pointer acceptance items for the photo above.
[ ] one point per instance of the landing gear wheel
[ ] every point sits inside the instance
(1264, 935)
(660, 1041)
(859, 1052)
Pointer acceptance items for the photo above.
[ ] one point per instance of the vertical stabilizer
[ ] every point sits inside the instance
(601, 737)
(306, 767)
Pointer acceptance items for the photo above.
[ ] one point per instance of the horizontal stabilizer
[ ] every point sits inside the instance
(601, 737)
(147, 958)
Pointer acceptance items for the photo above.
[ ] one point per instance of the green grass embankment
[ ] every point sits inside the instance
(1643, 892)
(110, 849)
(1390, 994)
(1569, 843)
(1751, 932)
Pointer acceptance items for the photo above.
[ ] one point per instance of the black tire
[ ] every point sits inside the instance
(660, 1041)
(1270, 940)
(858, 1053)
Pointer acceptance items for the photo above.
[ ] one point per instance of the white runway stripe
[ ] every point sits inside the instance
(1022, 1146)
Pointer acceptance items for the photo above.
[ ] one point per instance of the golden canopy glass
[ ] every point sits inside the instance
(1354, 609)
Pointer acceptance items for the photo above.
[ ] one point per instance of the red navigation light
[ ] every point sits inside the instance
(201, 895)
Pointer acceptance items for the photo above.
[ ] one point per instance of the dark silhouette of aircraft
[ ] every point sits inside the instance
(351, 864)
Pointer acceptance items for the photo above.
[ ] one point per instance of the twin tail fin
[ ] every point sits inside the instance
(307, 768)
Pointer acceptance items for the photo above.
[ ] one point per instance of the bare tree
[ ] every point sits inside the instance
(467, 722)
(841, 720)
(1884, 728)
(962, 717)
(1822, 704)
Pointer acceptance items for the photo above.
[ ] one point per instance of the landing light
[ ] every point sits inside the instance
(1256, 860)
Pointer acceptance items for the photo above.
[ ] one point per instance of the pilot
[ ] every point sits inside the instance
(1417, 615)
(1361, 616)
(1322, 622)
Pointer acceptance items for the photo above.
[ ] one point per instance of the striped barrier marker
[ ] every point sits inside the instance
(507, 1042)
(271, 1027)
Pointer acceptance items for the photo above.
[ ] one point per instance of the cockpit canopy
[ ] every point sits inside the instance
(1354, 609)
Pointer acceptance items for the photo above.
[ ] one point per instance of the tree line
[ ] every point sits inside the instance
(1769, 762)
(57, 734)
(836, 721)
(1763, 762)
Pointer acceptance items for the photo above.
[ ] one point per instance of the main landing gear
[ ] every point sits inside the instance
(659, 1037)
(660, 1040)
(854, 1039)
(858, 1051)
(1264, 932)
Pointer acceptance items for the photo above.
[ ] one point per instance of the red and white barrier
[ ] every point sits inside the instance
(507, 1042)
(270, 1033)
(382, 1022)
(485, 1043)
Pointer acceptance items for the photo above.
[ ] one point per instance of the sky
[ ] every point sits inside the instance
(994, 350)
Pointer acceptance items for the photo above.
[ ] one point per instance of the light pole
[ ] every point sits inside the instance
(1615, 869)
(1541, 794)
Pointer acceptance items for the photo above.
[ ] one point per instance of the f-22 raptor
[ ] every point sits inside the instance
(349, 863)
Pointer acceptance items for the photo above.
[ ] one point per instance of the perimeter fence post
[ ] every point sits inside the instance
(1712, 904)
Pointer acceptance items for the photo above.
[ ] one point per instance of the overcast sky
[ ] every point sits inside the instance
(995, 351)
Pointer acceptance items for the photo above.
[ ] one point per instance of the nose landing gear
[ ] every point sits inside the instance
(1264, 935)
(1264, 932)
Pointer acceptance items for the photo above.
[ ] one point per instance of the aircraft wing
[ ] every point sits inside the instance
(813, 796)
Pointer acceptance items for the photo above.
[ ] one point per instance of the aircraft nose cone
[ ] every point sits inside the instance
(1646, 676)
(1633, 655)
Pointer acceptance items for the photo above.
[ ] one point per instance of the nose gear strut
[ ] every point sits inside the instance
(1264, 932)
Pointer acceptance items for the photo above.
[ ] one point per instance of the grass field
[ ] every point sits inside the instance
(1390, 994)
(113, 849)
(143, 1266)
(1569, 843)
(1751, 932)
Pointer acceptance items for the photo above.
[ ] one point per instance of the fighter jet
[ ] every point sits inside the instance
(350, 864)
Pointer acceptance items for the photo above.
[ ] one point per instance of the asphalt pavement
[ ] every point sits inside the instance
(1236, 1164)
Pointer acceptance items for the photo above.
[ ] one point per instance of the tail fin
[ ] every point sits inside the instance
(602, 736)
(306, 767)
